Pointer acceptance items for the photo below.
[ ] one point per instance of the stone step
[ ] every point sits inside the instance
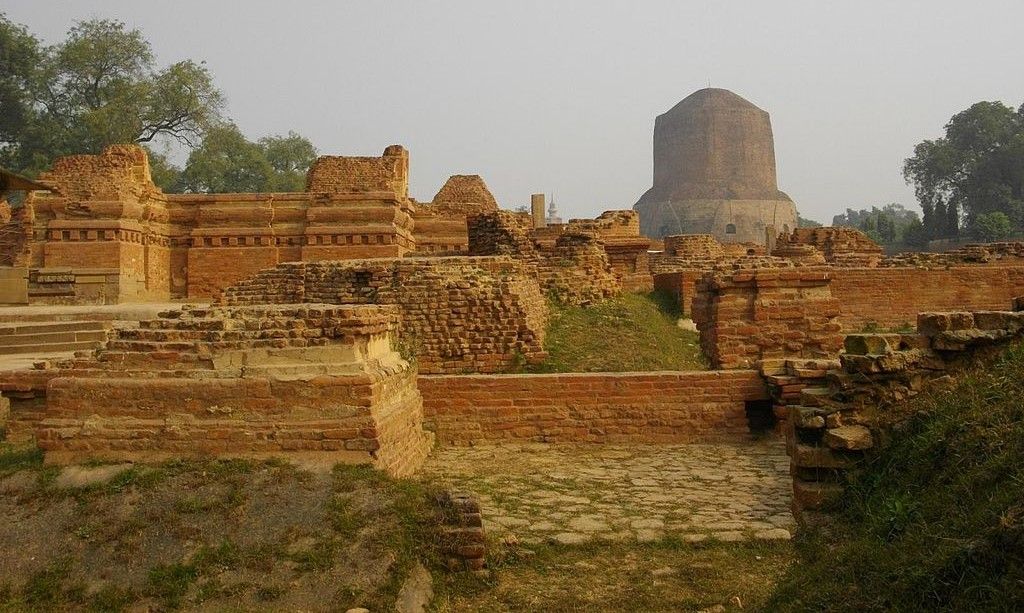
(47, 349)
(18, 329)
(51, 338)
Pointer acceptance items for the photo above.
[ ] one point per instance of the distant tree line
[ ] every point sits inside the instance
(101, 85)
(891, 225)
(970, 182)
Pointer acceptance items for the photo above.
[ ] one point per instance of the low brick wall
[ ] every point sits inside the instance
(597, 407)
(892, 297)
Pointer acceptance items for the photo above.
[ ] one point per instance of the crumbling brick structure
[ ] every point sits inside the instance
(747, 316)
(459, 314)
(106, 216)
(834, 409)
(15, 234)
(318, 380)
(440, 225)
(572, 266)
(619, 233)
(839, 246)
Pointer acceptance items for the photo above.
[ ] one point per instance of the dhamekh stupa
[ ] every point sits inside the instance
(714, 172)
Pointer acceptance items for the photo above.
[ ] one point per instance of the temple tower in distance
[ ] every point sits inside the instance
(714, 172)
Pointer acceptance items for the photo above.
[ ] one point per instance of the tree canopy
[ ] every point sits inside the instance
(971, 173)
(101, 86)
(890, 225)
(228, 162)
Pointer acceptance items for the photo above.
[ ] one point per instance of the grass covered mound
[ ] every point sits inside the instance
(213, 535)
(936, 520)
(628, 333)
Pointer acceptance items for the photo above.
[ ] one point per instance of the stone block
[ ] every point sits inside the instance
(1011, 321)
(806, 456)
(867, 344)
(854, 438)
(932, 323)
(817, 495)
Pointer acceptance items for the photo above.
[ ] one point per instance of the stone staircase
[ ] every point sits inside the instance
(189, 339)
(50, 338)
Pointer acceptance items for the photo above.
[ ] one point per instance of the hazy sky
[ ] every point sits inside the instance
(559, 96)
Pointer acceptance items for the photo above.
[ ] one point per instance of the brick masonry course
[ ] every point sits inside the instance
(594, 407)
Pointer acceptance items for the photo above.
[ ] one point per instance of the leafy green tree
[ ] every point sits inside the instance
(990, 227)
(290, 157)
(975, 169)
(227, 162)
(888, 225)
(19, 55)
(165, 174)
(98, 87)
(803, 222)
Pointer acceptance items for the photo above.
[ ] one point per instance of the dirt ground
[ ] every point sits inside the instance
(204, 536)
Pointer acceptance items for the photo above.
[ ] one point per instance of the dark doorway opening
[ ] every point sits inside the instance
(760, 416)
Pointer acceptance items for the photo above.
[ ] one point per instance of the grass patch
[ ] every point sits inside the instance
(19, 457)
(170, 582)
(935, 521)
(628, 333)
(669, 575)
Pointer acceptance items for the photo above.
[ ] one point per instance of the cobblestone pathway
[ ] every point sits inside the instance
(576, 493)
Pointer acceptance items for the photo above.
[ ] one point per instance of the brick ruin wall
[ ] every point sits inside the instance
(873, 291)
(747, 316)
(246, 381)
(627, 249)
(572, 267)
(658, 407)
(840, 246)
(440, 225)
(15, 234)
(459, 314)
(106, 214)
(891, 298)
(334, 174)
(837, 411)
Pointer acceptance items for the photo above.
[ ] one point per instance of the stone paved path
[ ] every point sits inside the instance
(577, 493)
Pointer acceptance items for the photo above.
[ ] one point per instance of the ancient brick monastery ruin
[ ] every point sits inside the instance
(301, 313)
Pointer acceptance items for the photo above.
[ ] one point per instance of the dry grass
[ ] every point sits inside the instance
(214, 534)
(665, 576)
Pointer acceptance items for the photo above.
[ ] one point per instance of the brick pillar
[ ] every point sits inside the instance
(750, 315)
(537, 208)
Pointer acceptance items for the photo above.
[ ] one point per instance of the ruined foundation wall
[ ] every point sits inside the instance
(459, 314)
(105, 212)
(891, 298)
(655, 407)
(834, 418)
(572, 266)
(233, 381)
(747, 316)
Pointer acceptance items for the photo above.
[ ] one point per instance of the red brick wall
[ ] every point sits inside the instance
(212, 269)
(892, 297)
(597, 407)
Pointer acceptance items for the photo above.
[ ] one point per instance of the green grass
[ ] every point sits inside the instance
(935, 522)
(19, 457)
(628, 333)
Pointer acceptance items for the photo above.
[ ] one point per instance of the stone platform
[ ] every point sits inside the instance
(232, 381)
